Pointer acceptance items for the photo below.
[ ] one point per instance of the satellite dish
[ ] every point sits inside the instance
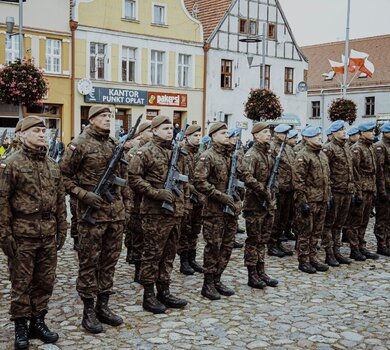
(302, 86)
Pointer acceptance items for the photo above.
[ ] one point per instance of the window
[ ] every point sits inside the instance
(157, 67)
(128, 64)
(184, 70)
(370, 106)
(289, 80)
(267, 79)
(130, 9)
(253, 28)
(12, 48)
(272, 31)
(243, 26)
(159, 14)
(97, 59)
(53, 56)
(315, 109)
(226, 74)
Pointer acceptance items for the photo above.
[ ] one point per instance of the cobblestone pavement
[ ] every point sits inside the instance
(345, 308)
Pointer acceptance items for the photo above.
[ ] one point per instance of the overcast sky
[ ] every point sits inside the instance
(320, 21)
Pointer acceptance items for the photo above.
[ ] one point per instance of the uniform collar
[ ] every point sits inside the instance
(34, 154)
(167, 144)
(97, 134)
(262, 147)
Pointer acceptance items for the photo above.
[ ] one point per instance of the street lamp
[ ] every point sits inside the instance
(10, 22)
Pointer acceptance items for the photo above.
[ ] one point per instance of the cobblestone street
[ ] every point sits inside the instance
(345, 308)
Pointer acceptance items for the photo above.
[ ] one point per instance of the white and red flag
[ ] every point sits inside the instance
(337, 67)
(357, 58)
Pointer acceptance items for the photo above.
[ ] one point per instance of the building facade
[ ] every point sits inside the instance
(371, 95)
(140, 57)
(47, 42)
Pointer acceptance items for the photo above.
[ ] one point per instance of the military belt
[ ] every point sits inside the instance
(46, 215)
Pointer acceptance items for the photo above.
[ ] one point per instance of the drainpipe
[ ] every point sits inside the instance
(206, 48)
(322, 112)
(73, 27)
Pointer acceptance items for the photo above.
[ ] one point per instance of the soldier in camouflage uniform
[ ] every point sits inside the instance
(32, 228)
(211, 179)
(192, 223)
(83, 165)
(364, 161)
(382, 204)
(342, 188)
(255, 171)
(148, 171)
(312, 191)
(285, 191)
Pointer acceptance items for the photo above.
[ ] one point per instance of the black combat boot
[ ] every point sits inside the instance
(21, 334)
(221, 288)
(319, 266)
(340, 258)
(237, 245)
(185, 267)
(104, 313)
(75, 243)
(275, 251)
(368, 254)
(286, 251)
(344, 236)
(129, 256)
(169, 300)
(382, 250)
(137, 271)
(150, 302)
(192, 261)
(306, 267)
(208, 290)
(254, 280)
(39, 330)
(289, 235)
(90, 322)
(356, 255)
(330, 258)
(271, 282)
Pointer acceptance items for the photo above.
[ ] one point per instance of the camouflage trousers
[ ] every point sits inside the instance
(99, 250)
(190, 230)
(135, 237)
(282, 216)
(161, 234)
(358, 221)
(219, 233)
(382, 223)
(33, 273)
(335, 219)
(310, 230)
(258, 229)
(73, 220)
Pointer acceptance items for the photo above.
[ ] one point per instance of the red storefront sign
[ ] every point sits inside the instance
(167, 99)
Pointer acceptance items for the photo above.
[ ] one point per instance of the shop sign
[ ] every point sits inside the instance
(117, 96)
(167, 99)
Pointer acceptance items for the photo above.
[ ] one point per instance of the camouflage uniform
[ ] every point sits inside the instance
(32, 198)
(83, 165)
(311, 185)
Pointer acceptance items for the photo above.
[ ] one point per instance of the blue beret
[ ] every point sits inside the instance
(233, 132)
(123, 138)
(281, 128)
(328, 132)
(292, 133)
(353, 131)
(385, 127)
(206, 140)
(367, 126)
(311, 131)
(337, 125)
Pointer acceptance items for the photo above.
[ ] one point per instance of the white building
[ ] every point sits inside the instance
(371, 95)
(228, 76)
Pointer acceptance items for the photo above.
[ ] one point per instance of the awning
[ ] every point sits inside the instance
(290, 119)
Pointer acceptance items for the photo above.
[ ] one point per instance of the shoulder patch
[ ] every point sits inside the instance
(355, 151)
(72, 147)
(202, 158)
(379, 148)
(3, 166)
(139, 152)
(325, 149)
(300, 159)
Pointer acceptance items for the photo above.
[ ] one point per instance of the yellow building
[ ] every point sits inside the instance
(47, 41)
(139, 56)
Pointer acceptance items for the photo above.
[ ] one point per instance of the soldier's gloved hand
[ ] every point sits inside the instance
(383, 197)
(8, 246)
(227, 200)
(164, 196)
(93, 200)
(356, 200)
(60, 240)
(305, 209)
(330, 203)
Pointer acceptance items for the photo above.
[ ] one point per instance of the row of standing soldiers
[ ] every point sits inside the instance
(321, 188)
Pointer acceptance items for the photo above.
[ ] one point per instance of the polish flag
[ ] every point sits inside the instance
(338, 67)
(367, 68)
(351, 69)
(357, 58)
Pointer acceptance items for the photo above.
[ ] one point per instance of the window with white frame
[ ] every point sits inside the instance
(53, 56)
(159, 14)
(130, 9)
(157, 67)
(97, 60)
(128, 64)
(184, 70)
(11, 48)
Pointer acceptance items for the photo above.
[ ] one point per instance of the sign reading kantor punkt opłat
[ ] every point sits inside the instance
(117, 96)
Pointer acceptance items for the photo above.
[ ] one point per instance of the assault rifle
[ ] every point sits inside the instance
(108, 180)
(274, 171)
(2, 138)
(234, 183)
(53, 145)
(174, 177)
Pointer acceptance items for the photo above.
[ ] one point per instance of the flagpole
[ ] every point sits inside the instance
(346, 51)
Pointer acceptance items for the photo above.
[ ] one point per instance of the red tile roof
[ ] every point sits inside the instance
(377, 47)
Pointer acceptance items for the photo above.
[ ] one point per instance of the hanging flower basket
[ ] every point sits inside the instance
(343, 109)
(22, 82)
(263, 105)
